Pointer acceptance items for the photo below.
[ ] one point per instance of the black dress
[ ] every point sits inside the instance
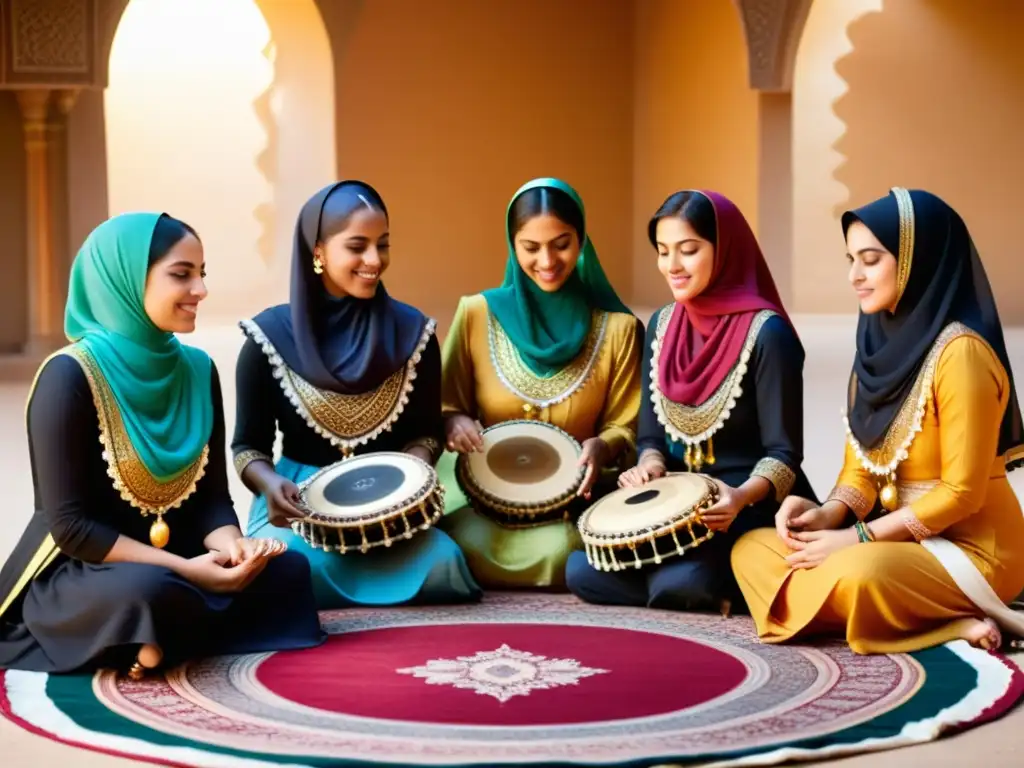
(763, 435)
(316, 425)
(78, 612)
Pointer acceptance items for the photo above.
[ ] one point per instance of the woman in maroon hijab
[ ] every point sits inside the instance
(723, 395)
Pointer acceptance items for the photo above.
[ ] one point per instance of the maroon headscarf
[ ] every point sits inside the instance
(705, 335)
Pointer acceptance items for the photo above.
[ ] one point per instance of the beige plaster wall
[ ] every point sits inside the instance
(447, 106)
(924, 93)
(694, 118)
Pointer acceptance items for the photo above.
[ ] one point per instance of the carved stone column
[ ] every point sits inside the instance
(45, 323)
(61, 105)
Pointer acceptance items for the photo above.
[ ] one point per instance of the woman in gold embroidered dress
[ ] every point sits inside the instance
(343, 369)
(937, 544)
(134, 555)
(553, 343)
(723, 395)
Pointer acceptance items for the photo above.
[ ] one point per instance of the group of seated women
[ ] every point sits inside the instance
(135, 559)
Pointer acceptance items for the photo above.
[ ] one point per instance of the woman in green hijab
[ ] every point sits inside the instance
(134, 557)
(554, 343)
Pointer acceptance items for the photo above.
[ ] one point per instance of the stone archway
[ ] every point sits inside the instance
(773, 29)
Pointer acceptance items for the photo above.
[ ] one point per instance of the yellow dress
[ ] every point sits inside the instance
(598, 395)
(891, 597)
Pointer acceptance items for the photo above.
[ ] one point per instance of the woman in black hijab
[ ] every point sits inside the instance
(340, 370)
(933, 427)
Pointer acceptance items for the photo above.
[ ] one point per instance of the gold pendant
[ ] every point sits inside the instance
(159, 533)
(709, 455)
(528, 410)
(889, 496)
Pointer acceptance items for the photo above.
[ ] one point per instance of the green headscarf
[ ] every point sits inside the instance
(161, 386)
(550, 329)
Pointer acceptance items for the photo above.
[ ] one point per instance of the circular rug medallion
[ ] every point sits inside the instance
(522, 680)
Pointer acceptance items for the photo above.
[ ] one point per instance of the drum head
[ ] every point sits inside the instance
(652, 506)
(526, 463)
(367, 488)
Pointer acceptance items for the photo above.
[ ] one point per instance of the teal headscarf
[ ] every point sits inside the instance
(550, 329)
(161, 386)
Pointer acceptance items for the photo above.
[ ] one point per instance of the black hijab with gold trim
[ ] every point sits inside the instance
(940, 280)
(345, 345)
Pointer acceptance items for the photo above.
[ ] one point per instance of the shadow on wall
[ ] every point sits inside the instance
(935, 101)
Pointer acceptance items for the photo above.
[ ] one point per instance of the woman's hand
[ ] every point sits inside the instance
(593, 457)
(463, 434)
(814, 547)
(283, 501)
(795, 514)
(650, 468)
(243, 549)
(722, 513)
(800, 514)
(214, 573)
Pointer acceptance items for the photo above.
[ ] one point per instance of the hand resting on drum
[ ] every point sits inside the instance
(282, 494)
(463, 434)
(649, 468)
(593, 456)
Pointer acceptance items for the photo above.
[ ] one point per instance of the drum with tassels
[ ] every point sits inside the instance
(369, 501)
(527, 474)
(634, 527)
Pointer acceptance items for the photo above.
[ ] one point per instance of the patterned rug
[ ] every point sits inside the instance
(535, 680)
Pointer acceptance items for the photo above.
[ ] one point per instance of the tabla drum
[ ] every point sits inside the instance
(526, 474)
(369, 501)
(633, 527)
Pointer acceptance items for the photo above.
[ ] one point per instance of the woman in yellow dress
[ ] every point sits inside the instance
(936, 548)
(553, 343)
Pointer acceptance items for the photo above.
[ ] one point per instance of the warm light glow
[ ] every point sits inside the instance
(182, 134)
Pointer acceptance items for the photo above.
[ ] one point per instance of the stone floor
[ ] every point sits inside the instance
(829, 345)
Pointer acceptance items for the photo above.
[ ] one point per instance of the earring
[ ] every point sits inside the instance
(318, 265)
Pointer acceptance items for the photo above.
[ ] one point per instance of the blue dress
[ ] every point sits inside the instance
(401, 413)
(761, 435)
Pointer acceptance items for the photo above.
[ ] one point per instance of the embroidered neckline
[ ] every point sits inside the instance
(131, 478)
(544, 392)
(895, 447)
(693, 424)
(346, 421)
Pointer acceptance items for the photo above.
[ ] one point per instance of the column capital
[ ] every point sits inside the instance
(34, 103)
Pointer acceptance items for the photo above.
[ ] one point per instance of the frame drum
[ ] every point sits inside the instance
(639, 526)
(526, 474)
(369, 501)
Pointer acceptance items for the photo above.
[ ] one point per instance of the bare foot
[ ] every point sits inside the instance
(149, 657)
(984, 634)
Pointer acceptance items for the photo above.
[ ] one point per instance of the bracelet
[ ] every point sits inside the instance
(864, 534)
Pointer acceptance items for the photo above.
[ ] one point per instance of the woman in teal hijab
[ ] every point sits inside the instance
(134, 556)
(553, 343)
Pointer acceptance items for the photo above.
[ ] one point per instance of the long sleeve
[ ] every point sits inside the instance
(62, 428)
(778, 372)
(255, 424)
(457, 379)
(618, 420)
(650, 433)
(213, 498)
(971, 391)
(426, 424)
(856, 487)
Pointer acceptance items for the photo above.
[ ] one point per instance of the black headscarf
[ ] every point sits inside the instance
(944, 282)
(345, 345)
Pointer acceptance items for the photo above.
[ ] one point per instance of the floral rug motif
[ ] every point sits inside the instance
(522, 680)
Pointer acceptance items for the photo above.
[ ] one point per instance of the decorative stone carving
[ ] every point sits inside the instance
(773, 29)
(51, 36)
